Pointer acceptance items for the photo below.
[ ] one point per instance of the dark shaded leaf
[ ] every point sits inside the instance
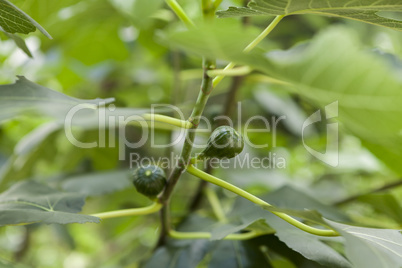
(219, 232)
(280, 248)
(189, 253)
(310, 246)
(179, 255)
(244, 254)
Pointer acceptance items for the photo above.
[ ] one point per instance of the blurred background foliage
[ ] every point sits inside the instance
(119, 49)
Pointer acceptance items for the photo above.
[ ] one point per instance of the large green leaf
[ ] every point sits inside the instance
(371, 248)
(362, 84)
(31, 202)
(310, 246)
(25, 96)
(333, 69)
(365, 11)
(14, 20)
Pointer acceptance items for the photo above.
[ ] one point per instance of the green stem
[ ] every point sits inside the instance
(215, 204)
(168, 120)
(194, 119)
(202, 175)
(206, 235)
(129, 212)
(250, 46)
(178, 10)
(231, 72)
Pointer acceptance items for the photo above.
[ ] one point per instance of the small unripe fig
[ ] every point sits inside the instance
(149, 180)
(224, 142)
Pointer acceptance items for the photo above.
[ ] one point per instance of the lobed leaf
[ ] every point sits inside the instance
(364, 11)
(30, 202)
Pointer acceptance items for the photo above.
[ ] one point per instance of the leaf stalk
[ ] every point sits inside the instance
(154, 207)
(212, 179)
(250, 46)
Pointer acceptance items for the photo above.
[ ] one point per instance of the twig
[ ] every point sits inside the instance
(206, 87)
(228, 111)
(377, 190)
